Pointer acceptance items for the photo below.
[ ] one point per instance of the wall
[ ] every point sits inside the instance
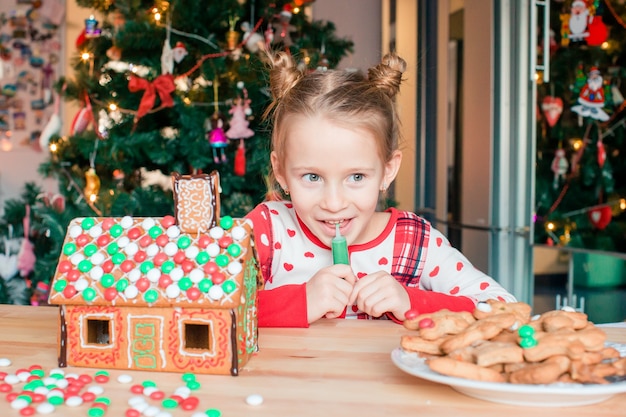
(358, 20)
(33, 63)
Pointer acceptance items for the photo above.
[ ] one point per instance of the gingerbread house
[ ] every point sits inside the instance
(174, 293)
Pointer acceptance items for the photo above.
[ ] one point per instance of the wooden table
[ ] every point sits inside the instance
(334, 368)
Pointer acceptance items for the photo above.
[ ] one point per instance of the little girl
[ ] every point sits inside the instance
(334, 151)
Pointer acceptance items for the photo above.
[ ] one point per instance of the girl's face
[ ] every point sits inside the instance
(334, 175)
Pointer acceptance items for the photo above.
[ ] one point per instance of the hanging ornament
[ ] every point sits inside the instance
(559, 167)
(282, 28)
(80, 39)
(91, 28)
(83, 117)
(217, 138)
(92, 185)
(579, 18)
(240, 160)
(591, 97)
(618, 98)
(167, 58)
(53, 127)
(600, 217)
(114, 53)
(26, 255)
(598, 32)
(552, 108)
(163, 86)
(601, 152)
(8, 261)
(239, 129)
(253, 41)
(232, 36)
(179, 52)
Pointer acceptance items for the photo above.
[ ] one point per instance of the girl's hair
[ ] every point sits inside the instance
(349, 99)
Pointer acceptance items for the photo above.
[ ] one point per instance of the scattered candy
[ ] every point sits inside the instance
(124, 379)
(254, 399)
(5, 362)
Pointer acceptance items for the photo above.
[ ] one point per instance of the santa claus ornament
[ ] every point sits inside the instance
(577, 22)
(591, 97)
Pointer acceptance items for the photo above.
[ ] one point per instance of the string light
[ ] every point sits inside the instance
(112, 106)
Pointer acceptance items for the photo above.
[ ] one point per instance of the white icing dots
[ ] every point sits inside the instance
(148, 223)
(76, 258)
(153, 275)
(238, 233)
(170, 249)
(196, 275)
(216, 292)
(152, 249)
(97, 258)
(123, 241)
(75, 231)
(96, 273)
(177, 273)
(80, 284)
(192, 251)
(126, 222)
(134, 275)
(95, 231)
(264, 240)
(173, 232)
(213, 250)
(216, 232)
(172, 291)
(234, 267)
(131, 249)
(131, 292)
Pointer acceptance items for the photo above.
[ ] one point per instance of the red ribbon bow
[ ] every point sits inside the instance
(163, 85)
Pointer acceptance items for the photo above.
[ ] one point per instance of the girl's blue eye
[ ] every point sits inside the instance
(357, 177)
(311, 177)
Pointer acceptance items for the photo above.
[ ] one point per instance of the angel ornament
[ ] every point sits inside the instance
(239, 130)
(559, 167)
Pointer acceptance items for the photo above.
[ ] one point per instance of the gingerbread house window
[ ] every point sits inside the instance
(197, 336)
(98, 332)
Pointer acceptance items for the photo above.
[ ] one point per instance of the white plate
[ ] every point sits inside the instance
(553, 395)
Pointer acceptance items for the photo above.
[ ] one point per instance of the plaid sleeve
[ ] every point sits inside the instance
(410, 247)
(262, 226)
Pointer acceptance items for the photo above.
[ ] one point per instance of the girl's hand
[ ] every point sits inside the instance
(379, 293)
(328, 291)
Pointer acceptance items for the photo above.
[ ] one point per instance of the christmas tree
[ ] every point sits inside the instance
(164, 86)
(580, 167)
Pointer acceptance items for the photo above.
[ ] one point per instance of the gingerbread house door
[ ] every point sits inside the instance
(145, 342)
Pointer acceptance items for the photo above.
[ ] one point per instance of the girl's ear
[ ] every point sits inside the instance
(277, 169)
(392, 167)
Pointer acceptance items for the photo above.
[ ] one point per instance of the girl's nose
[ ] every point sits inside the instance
(334, 198)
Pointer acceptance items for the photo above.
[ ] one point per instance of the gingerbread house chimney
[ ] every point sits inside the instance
(196, 201)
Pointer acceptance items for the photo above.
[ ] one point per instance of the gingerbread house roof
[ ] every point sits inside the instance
(194, 259)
